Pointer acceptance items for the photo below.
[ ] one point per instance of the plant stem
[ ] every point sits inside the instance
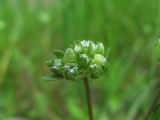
(89, 99)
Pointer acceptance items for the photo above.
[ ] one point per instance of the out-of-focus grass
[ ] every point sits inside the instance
(30, 31)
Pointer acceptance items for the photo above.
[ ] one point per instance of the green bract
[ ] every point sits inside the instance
(83, 58)
(70, 56)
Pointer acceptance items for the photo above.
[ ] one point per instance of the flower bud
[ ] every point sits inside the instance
(73, 71)
(96, 70)
(85, 46)
(100, 48)
(85, 43)
(50, 62)
(57, 67)
(77, 48)
(83, 60)
(70, 72)
(92, 48)
(69, 56)
(99, 60)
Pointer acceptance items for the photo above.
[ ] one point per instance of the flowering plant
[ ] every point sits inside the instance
(84, 58)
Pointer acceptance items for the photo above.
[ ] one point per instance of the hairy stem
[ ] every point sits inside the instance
(89, 99)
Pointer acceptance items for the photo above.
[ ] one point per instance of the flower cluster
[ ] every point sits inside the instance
(83, 58)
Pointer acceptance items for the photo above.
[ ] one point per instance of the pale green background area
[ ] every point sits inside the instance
(30, 32)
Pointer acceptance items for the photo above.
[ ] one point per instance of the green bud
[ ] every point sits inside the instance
(77, 48)
(92, 48)
(69, 56)
(158, 49)
(50, 62)
(96, 70)
(85, 43)
(99, 60)
(57, 67)
(100, 48)
(85, 46)
(70, 72)
(83, 61)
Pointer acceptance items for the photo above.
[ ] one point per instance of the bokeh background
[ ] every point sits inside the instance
(30, 32)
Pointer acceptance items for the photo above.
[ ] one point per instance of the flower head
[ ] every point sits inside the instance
(84, 57)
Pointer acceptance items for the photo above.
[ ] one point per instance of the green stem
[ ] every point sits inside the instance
(89, 99)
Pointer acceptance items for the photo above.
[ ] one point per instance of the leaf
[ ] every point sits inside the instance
(52, 78)
(59, 53)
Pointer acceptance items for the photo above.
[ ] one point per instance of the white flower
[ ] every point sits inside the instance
(85, 43)
(94, 47)
(84, 56)
(77, 48)
(93, 65)
(66, 66)
(73, 70)
(58, 61)
(57, 64)
(56, 67)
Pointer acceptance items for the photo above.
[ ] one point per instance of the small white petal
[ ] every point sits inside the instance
(85, 43)
(57, 64)
(85, 57)
(66, 66)
(93, 65)
(94, 46)
(56, 67)
(73, 70)
(77, 48)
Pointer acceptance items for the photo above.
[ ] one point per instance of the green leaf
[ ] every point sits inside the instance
(59, 53)
(52, 78)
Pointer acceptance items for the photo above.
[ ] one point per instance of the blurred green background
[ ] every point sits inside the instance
(30, 32)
